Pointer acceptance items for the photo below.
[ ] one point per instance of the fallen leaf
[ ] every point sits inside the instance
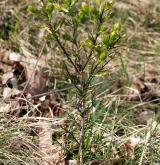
(140, 90)
(6, 76)
(36, 80)
(52, 154)
(4, 108)
(42, 98)
(4, 56)
(131, 145)
(146, 117)
(7, 92)
(72, 162)
(13, 56)
(10, 92)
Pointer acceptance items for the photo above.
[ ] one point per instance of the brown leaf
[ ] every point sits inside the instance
(36, 80)
(51, 153)
(130, 146)
(71, 162)
(4, 56)
(146, 117)
(10, 92)
(4, 108)
(6, 76)
(140, 90)
(15, 57)
(50, 108)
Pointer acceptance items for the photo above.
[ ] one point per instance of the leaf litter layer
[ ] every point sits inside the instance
(130, 105)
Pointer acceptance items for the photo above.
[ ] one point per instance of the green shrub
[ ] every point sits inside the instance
(86, 41)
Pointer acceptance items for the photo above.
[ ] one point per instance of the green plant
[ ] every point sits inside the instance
(82, 34)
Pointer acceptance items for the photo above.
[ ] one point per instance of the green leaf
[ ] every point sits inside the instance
(117, 27)
(102, 56)
(65, 10)
(88, 43)
(106, 41)
(32, 9)
(57, 6)
(89, 11)
(101, 74)
(69, 3)
(109, 5)
(51, 1)
(60, 8)
(98, 49)
(49, 9)
(103, 28)
(114, 36)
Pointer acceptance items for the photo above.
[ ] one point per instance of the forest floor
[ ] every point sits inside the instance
(33, 94)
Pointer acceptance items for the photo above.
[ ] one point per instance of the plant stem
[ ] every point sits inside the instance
(62, 47)
(82, 108)
(81, 141)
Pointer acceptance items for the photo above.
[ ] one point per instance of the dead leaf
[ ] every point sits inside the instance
(6, 76)
(140, 90)
(4, 108)
(4, 56)
(51, 153)
(131, 145)
(10, 92)
(4, 67)
(36, 80)
(157, 90)
(42, 98)
(71, 162)
(13, 56)
(50, 107)
(146, 117)
(7, 92)
(134, 93)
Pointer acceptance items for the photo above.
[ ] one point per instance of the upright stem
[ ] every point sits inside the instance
(82, 107)
(81, 148)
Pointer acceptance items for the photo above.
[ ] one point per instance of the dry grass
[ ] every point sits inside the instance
(139, 52)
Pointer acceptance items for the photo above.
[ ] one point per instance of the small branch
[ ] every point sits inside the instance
(62, 47)
(95, 39)
(91, 52)
(70, 77)
(74, 120)
(71, 133)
